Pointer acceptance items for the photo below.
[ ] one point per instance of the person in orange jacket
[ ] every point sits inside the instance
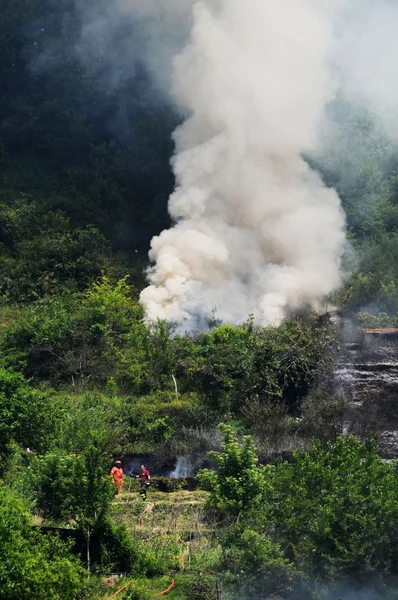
(117, 475)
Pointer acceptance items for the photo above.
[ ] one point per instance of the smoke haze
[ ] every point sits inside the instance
(116, 35)
(256, 231)
(366, 54)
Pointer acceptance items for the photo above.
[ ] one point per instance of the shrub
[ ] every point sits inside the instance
(332, 512)
(199, 586)
(32, 566)
(68, 487)
(335, 510)
(323, 416)
(256, 561)
(114, 549)
(25, 413)
(238, 483)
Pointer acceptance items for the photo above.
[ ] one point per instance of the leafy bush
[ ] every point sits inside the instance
(231, 367)
(114, 549)
(332, 511)
(256, 562)
(335, 510)
(80, 338)
(71, 487)
(33, 567)
(246, 551)
(91, 419)
(239, 481)
(26, 414)
(199, 586)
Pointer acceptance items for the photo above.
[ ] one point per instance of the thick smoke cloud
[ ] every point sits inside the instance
(256, 231)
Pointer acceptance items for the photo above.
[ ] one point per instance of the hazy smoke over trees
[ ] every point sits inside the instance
(255, 230)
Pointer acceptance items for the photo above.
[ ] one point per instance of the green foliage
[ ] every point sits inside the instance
(188, 586)
(28, 344)
(77, 338)
(232, 367)
(199, 586)
(100, 336)
(373, 283)
(91, 419)
(247, 551)
(114, 549)
(33, 567)
(335, 509)
(41, 253)
(25, 413)
(159, 558)
(158, 417)
(146, 590)
(238, 482)
(361, 164)
(75, 487)
(330, 512)
(366, 319)
(256, 561)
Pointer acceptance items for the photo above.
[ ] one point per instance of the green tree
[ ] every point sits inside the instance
(238, 481)
(332, 512)
(233, 367)
(76, 488)
(335, 510)
(33, 567)
(256, 563)
(41, 252)
(72, 487)
(81, 338)
(26, 414)
(91, 419)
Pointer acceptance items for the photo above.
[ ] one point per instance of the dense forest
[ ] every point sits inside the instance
(284, 506)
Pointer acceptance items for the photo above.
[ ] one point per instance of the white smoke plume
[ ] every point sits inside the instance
(367, 57)
(256, 232)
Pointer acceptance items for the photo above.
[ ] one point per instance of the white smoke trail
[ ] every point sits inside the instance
(256, 231)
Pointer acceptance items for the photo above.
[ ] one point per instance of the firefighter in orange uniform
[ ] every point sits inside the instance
(117, 475)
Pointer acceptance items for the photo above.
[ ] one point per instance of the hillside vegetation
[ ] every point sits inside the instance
(83, 379)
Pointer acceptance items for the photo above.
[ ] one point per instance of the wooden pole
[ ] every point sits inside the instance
(88, 551)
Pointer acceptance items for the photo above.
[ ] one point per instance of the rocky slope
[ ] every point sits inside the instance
(367, 376)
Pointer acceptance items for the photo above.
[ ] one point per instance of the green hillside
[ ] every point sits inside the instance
(283, 507)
